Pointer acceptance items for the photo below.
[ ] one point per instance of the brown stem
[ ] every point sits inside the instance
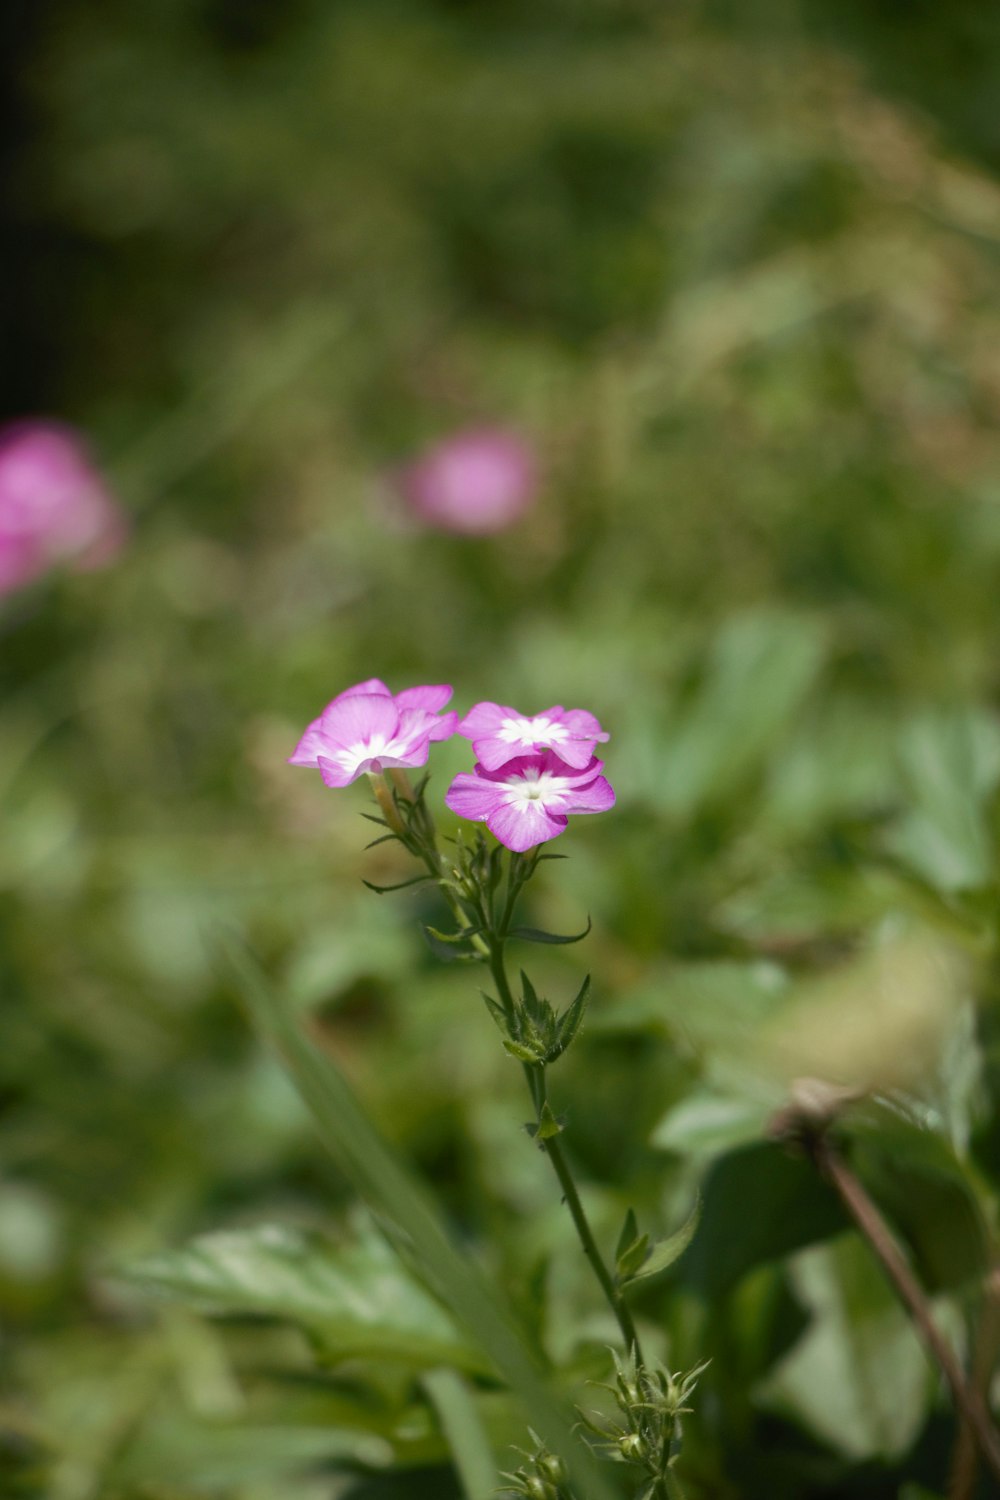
(965, 1459)
(968, 1400)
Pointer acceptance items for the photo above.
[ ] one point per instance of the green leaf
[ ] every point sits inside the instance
(950, 767)
(629, 1233)
(570, 1021)
(444, 948)
(762, 665)
(207, 1455)
(931, 1197)
(453, 937)
(401, 885)
(627, 1263)
(706, 1123)
(715, 1004)
(497, 1011)
(859, 1378)
(665, 1252)
(463, 1429)
(357, 1298)
(760, 1203)
(536, 935)
(403, 1208)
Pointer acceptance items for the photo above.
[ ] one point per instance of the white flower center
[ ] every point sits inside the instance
(535, 786)
(361, 751)
(536, 731)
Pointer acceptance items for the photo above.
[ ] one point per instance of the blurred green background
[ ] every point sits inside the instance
(732, 268)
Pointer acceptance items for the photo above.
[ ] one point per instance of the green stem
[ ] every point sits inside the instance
(535, 1075)
(430, 853)
(561, 1167)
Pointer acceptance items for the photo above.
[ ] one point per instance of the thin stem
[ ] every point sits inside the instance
(561, 1167)
(535, 1076)
(968, 1400)
(430, 853)
(965, 1460)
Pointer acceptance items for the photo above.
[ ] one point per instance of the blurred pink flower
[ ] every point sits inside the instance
(54, 506)
(477, 481)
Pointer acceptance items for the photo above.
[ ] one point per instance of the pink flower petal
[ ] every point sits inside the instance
(358, 719)
(523, 827)
(432, 698)
(597, 796)
(310, 746)
(372, 685)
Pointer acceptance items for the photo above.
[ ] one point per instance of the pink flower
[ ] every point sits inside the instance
(366, 728)
(529, 799)
(500, 734)
(54, 506)
(477, 481)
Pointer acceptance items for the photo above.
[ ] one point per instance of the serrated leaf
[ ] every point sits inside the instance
(665, 1252)
(536, 935)
(356, 1298)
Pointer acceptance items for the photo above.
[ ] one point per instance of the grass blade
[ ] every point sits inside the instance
(404, 1209)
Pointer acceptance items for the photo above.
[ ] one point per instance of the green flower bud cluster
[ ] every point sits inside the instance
(651, 1401)
(542, 1476)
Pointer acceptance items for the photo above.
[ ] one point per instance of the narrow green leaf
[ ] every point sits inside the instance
(632, 1258)
(378, 1177)
(496, 1010)
(629, 1234)
(536, 935)
(445, 949)
(383, 890)
(453, 937)
(464, 1433)
(570, 1021)
(665, 1252)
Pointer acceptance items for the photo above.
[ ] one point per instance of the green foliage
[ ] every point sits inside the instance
(732, 270)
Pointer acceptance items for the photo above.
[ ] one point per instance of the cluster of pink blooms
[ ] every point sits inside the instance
(54, 506)
(477, 481)
(531, 771)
